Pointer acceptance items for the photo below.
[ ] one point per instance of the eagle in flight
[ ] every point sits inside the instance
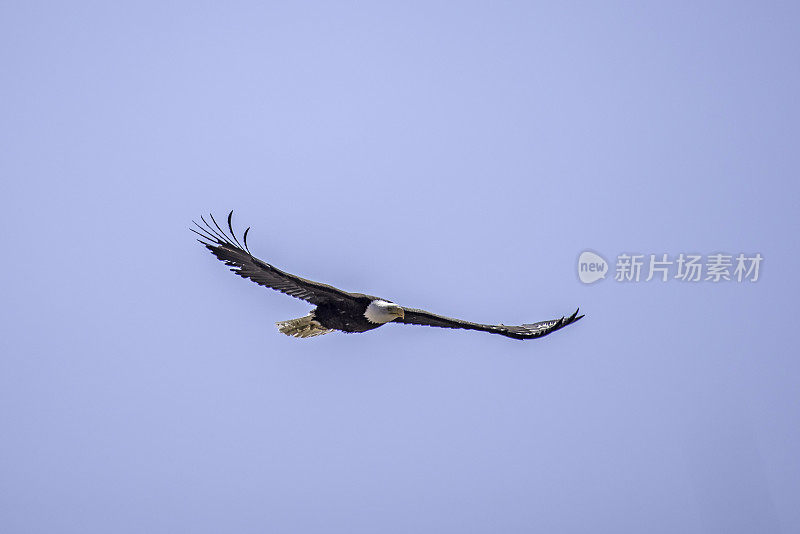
(337, 309)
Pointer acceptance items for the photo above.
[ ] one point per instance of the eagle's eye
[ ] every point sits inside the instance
(396, 310)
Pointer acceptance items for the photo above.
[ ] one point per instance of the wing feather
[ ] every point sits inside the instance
(524, 331)
(228, 250)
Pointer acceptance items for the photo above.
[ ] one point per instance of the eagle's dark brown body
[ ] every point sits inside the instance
(347, 316)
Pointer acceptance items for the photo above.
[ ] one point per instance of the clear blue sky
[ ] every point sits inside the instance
(450, 156)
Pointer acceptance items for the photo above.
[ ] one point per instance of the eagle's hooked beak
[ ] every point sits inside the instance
(397, 311)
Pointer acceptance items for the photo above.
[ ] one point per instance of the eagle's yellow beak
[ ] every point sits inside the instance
(397, 311)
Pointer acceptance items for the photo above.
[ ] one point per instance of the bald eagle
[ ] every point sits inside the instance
(337, 309)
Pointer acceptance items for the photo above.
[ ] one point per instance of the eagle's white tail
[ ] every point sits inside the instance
(302, 327)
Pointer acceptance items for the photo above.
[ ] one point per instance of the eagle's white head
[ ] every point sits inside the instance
(382, 311)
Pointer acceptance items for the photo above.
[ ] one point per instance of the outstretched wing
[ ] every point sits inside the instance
(525, 331)
(237, 256)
